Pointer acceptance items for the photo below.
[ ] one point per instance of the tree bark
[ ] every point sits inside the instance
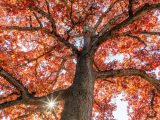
(78, 104)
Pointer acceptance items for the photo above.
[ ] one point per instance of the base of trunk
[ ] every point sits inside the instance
(78, 104)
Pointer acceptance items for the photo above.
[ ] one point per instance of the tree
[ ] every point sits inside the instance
(56, 58)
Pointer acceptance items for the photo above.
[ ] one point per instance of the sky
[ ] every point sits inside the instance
(121, 111)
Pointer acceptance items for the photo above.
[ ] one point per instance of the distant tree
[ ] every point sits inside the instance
(68, 59)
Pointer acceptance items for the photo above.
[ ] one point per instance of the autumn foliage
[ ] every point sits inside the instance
(41, 39)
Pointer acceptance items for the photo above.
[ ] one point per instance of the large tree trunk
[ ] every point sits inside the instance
(78, 105)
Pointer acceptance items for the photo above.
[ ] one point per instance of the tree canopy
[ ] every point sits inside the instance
(40, 41)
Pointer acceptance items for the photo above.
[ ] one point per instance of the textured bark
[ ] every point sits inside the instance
(129, 72)
(78, 105)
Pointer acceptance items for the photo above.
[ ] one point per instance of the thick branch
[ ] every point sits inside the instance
(108, 34)
(130, 72)
(16, 83)
(40, 101)
(11, 103)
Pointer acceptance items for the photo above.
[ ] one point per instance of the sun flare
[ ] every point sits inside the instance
(50, 104)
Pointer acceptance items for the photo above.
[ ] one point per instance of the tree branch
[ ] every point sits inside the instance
(48, 9)
(53, 33)
(152, 114)
(108, 34)
(12, 94)
(65, 42)
(58, 72)
(130, 12)
(21, 28)
(16, 83)
(11, 103)
(150, 33)
(35, 59)
(39, 109)
(129, 72)
(40, 101)
(138, 39)
(110, 22)
(104, 14)
(44, 14)
(38, 20)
